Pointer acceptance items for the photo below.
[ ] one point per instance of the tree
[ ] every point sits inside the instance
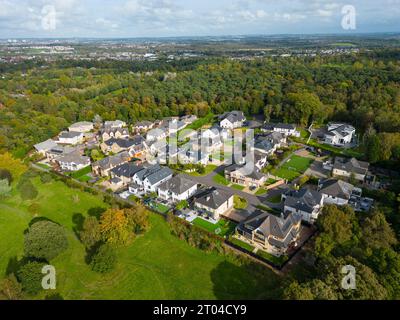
(14, 166)
(377, 232)
(295, 291)
(10, 288)
(337, 223)
(90, 235)
(115, 227)
(30, 276)
(104, 259)
(45, 240)
(138, 218)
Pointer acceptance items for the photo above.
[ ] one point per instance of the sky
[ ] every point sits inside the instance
(164, 18)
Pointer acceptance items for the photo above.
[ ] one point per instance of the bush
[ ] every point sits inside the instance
(6, 174)
(45, 240)
(104, 259)
(27, 189)
(46, 178)
(30, 276)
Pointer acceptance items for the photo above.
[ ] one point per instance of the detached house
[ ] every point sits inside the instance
(70, 137)
(116, 133)
(83, 127)
(177, 189)
(286, 129)
(270, 143)
(148, 179)
(270, 233)
(73, 162)
(214, 202)
(104, 166)
(232, 120)
(45, 146)
(238, 174)
(143, 126)
(306, 203)
(339, 134)
(115, 124)
(126, 172)
(117, 145)
(344, 167)
(337, 191)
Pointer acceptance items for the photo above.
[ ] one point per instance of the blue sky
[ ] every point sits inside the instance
(142, 18)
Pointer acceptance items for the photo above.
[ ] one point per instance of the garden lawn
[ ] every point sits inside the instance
(242, 244)
(261, 192)
(221, 228)
(239, 203)
(237, 187)
(156, 266)
(159, 207)
(220, 179)
(208, 169)
(293, 168)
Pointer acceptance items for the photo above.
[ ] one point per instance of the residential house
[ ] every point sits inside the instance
(116, 133)
(133, 145)
(83, 127)
(214, 202)
(150, 178)
(287, 129)
(339, 134)
(232, 120)
(157, 134)
(59, 151)
(73, 162)
(186, 156)
(70, 137)
(115, 124)
(142, 126)
(188, 119)
(272, 234)
(238, 174)
(269, 143)
(177, 189)
(126, 172)
(345, 167)
(337, 191)
(308, 203)
(260, 160)
(43, 147)
(104, 166)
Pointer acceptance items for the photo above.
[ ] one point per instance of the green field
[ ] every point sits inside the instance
(156, 266)
(221, 228)
(293, 168)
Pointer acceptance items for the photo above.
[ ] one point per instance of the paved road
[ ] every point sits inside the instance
(252, 200)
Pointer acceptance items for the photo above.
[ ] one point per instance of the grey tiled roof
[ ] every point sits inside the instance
(46, 145)
(69, 134)
(351, 165)
(214, 198)
(127, 170)
(283, 126)
(74, 158)
(272, 226)
(112, 161)
(336, 188)
(305, 200)
(233, 116)
(178, 184)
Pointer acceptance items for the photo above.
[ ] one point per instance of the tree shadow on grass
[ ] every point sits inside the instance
(247, 281)
(96, 212)
(78, 219)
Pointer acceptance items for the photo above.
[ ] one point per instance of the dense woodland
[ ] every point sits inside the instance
(39, 100)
